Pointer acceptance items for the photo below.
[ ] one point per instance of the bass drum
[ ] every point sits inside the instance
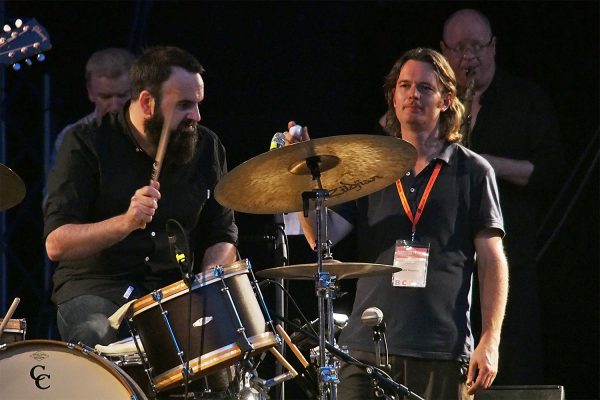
(48, 369)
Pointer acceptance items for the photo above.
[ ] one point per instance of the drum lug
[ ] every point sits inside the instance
(157, 295)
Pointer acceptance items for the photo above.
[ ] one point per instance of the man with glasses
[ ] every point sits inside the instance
(512, 125)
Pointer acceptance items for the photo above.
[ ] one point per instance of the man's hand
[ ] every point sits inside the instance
(483, 366)
(143, 206)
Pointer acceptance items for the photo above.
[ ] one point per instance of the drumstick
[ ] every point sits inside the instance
(282, 360)
(9, 314)
(291, 345)
(163, 142)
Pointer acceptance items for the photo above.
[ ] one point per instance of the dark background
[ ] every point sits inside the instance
(322, 64)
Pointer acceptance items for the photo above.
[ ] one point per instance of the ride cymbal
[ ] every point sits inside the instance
(351, 166)
(12, 188)
(342, 270)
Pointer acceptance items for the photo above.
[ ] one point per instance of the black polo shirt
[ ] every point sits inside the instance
(96, 173)
(430, 322)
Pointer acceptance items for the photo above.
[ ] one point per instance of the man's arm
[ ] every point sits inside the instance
(493, 281)
(511, 170)
(337, 227)
(77, 241)
(222, 253)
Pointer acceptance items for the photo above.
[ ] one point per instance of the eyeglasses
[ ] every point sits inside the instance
(476, 48)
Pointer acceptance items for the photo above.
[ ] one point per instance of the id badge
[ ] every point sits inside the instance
(412, 258)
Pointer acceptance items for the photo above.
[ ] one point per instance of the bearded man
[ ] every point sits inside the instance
(105, 220)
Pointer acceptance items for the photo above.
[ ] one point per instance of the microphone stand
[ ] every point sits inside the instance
(185, 261)
(378, 331)
(383, 379)
(378, 334)
(282, 259)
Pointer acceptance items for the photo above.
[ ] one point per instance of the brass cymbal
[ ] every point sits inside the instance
(12, 188)
(342, 270)
(351, 166)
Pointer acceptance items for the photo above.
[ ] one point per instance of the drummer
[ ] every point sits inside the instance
(426, 309)
(105, 221)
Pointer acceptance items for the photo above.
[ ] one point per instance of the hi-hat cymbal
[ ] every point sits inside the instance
(342, 270)
(12, 188)
(351, 166)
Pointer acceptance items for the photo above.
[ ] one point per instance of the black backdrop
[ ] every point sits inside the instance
(321, 63)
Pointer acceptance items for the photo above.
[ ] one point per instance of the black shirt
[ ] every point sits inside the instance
(97, 172)
(430, 322)
(516, 120)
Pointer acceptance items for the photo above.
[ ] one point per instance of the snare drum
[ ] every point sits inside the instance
(47, 369)
(14, 331)
(214, 329)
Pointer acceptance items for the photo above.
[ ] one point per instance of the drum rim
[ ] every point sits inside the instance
(221, 356)
(104, 363)
(179, 288)
(15, 325)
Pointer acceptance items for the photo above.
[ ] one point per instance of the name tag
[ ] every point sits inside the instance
(412, 258)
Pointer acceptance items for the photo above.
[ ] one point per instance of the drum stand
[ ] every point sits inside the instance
(324, 284)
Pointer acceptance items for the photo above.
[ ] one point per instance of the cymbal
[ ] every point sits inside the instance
(342, 270)
(12, 188)
(351, 166)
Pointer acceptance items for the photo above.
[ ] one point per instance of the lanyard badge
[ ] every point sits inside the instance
(410, 256)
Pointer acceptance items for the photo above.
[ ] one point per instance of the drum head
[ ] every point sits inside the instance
(46, 369)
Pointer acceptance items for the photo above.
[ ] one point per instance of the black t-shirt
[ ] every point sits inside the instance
(517, 121)
(96, 173)
(430, 322)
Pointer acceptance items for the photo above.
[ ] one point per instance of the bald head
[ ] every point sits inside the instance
(467, 20)
(469, 45)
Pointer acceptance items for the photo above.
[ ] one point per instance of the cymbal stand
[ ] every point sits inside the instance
(324, 283)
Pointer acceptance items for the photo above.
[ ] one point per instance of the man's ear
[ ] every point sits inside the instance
(147, 103)
(445, 103)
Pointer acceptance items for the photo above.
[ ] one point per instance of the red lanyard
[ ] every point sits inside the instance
(424, 198)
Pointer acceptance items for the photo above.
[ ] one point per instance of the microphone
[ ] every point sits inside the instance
(372, 316)
(179, 249)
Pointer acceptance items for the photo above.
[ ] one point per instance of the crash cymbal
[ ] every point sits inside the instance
(351, 166)
(342, 270)
(12, 188)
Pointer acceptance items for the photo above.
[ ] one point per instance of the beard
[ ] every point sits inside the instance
(182, 142)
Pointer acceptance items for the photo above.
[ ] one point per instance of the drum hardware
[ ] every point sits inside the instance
(145, 364)
(243, 341)
(261, 299)
(185, 371)
(342, 270)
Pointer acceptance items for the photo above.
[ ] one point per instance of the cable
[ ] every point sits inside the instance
(302, 316)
